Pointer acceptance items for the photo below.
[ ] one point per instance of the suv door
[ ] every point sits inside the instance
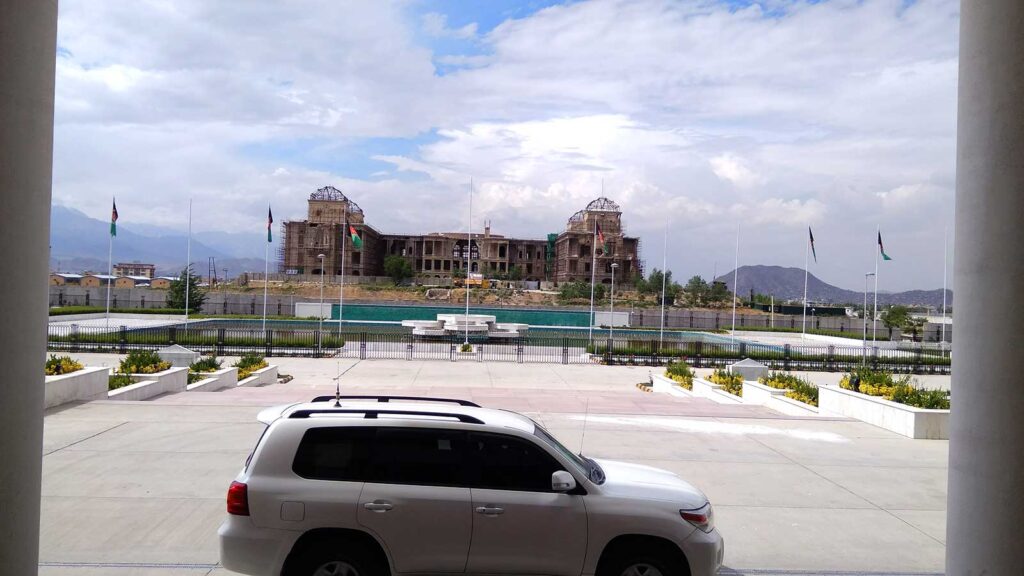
(520, 525)
(415, 500)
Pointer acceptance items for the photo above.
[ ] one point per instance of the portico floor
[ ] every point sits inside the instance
(137, 488)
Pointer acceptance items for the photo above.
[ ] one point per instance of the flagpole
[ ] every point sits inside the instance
(945, 264)
(266, 265)
(874, 315)
(110, 272)
(341, 292)
(664, 279)
(735, 279)
(593, 278)
(807, 250)
(188, 259)
(469, 254)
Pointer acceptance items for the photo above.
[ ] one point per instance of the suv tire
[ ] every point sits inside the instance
(327, 559)
(644, 562)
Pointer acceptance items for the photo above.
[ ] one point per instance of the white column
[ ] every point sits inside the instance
(986, 461)
(28, 52)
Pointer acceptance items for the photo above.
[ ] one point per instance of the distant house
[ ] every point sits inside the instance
(147, 271)
(132, 282)
(162, 283)
(96, 280)
(60, 279)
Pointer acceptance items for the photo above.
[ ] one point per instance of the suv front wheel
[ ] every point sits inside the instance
(644, 560)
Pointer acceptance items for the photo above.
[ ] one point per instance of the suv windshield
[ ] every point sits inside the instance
(582, 463)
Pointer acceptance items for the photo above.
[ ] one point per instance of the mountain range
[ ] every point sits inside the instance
(788, 284)
(79, 243)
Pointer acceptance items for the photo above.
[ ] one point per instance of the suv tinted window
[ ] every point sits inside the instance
(510, 463)
(418, 456)
(341, 453)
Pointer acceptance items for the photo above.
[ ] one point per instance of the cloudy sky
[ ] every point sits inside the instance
(694, 115)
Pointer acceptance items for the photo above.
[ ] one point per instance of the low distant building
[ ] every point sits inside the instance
(132, 282)
(147, 271)
(96, 280)
(63, 279)
(161, 283)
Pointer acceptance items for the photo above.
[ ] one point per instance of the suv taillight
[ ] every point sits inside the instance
(238, 499)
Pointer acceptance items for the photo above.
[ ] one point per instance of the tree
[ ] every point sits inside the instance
(654, 282)
(459, 273)
(719, 293)
(696, 291)
(176, 292)
(397, 268)
(895, 317)
(515, 273)
(580, 290)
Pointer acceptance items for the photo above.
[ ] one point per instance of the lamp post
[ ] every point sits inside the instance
(320, 316)
(611, 313)
(864, 343)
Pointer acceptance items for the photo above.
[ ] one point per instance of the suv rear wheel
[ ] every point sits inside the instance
(324, 560)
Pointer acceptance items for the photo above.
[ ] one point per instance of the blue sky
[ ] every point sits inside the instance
(692, 115)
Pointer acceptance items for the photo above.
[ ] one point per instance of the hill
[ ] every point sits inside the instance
(79, 243)
(788, 284)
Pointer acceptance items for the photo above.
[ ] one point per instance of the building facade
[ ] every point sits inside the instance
(134, 269)
(563, 257)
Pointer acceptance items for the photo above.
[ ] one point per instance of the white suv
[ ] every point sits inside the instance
(378, 485)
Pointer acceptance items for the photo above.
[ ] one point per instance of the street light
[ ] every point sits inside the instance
(611, 313)
(864, 343)
(320, 327)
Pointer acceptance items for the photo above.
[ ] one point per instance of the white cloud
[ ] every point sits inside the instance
(838, 113)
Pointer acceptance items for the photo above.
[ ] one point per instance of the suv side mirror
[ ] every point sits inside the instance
(562, 481)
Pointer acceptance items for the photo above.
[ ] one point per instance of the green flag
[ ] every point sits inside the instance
(113, 220)
(881, 248)
(357, 242)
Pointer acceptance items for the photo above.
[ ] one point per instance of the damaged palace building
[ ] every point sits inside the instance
(333, 220)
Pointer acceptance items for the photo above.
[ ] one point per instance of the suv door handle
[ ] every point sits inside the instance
(378, 506)
(489, 510)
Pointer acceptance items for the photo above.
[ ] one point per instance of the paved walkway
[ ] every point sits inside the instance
(137, 488)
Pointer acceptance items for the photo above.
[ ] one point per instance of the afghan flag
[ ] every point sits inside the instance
(113, 220)
(881, 248)
(600, 238)
(270, 221)
(357, 242)
(811, 234)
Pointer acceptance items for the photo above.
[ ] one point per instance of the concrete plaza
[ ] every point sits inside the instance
(137, 488)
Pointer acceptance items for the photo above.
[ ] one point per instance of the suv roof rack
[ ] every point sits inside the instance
(388, 397)
(373, 413)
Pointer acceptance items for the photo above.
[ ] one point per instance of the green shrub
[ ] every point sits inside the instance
(56, 365)
(143, 362)
(900, 389)
(249, 363)
(207, 364)
(731, 383)
(679, 371)
(467, 347)
(115, 381)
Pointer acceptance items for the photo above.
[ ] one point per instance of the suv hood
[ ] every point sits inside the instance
(647, 482)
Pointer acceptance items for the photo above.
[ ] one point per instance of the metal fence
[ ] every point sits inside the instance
(562, 349)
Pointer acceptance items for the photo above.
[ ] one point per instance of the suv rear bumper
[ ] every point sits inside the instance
(705, 552)
(246, 549)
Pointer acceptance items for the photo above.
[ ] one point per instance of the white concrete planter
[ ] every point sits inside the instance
(261, 377)
(899, 418)
(790, 407)
(666, 385)
(143, 390)
(757, 393)
(169, 381)
(216, 380)
(81, 385)
(706, 389)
